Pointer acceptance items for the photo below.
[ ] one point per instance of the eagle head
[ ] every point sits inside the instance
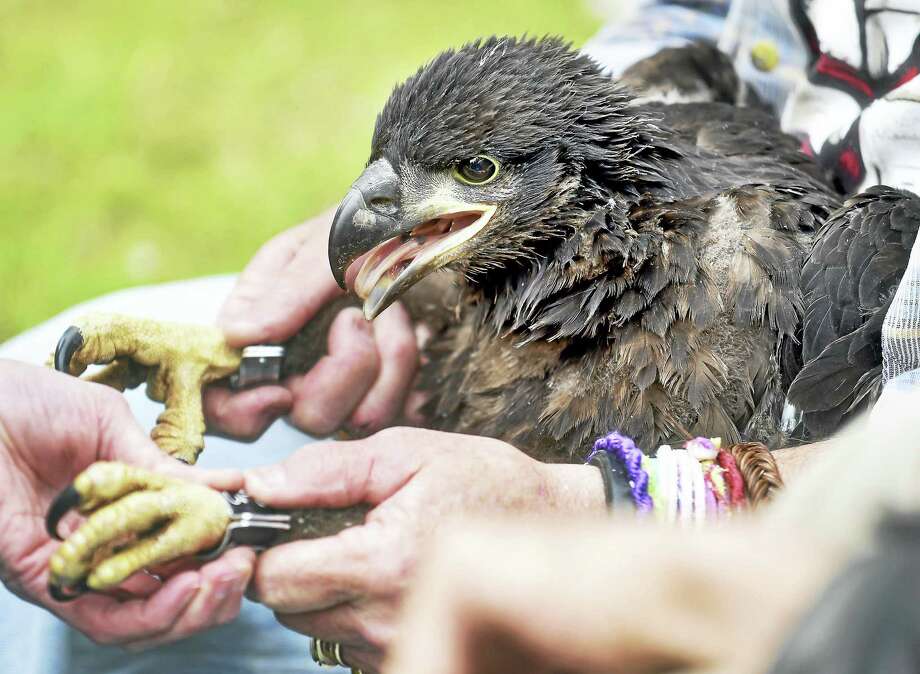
(480, 161)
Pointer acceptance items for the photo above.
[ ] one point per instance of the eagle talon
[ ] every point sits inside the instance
(134, 519)
(62, 504)
(64, 594)
(69, 343)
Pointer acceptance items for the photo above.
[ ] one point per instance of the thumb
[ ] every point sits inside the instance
(333, 475)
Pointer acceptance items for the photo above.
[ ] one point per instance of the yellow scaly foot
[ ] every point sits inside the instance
(176, 360)
(136, 519)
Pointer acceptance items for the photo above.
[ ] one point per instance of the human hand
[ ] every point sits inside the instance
(364, 380)
(348, 588)
(526, 596)
(51, 428)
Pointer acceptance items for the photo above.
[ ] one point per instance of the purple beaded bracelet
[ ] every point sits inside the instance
(629, 456)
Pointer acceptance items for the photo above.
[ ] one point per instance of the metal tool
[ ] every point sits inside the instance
(261, 364)
(252, 524)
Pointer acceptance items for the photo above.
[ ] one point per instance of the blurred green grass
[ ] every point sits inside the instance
(142, 142)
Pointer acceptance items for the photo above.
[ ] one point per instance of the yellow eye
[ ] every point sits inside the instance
(476, 171)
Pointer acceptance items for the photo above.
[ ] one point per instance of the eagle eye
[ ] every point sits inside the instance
(478, 170)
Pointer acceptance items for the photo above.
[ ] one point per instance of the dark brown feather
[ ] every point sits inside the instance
(849, 279)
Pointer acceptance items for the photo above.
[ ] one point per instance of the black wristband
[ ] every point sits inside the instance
(616, 482)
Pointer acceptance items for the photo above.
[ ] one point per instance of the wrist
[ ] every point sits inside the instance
(575, 488)
(794, 460)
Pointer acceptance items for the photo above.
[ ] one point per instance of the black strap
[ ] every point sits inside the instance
(616, 482)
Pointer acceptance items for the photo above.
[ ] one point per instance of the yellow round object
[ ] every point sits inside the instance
(764, 55)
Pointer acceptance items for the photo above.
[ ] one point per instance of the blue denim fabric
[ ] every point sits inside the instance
(657, 24)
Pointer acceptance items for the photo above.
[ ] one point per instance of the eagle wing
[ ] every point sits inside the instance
(848, 281)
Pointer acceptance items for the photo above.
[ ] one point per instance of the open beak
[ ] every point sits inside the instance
(398, 249)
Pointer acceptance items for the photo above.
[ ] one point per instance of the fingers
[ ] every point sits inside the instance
(339, 623)
(338, 474)
(73, 422)
(108, 621)
(357, 656)
(357, 564)
(395, 340)
(223, 584)
(245, 415)
(367, 626)
(311, 575)
(187, 603)
(326, 396)
(220, 479)
(362, 659)
(362, 383)
(283, 286)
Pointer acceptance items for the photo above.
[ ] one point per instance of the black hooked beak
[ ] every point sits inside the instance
(404, 244)
(367, 216)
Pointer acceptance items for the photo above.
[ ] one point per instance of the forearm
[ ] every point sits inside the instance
(576, 489)
(792, 461)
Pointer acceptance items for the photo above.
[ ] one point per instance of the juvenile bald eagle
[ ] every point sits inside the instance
(616, 265)
(623, 266)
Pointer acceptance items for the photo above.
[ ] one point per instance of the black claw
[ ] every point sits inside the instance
(62, 504)
(64, 594)
(69, 343)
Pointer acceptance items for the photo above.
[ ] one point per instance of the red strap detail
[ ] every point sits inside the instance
(910, 74)
(806, 148)
(842, 72)
(849, 162)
